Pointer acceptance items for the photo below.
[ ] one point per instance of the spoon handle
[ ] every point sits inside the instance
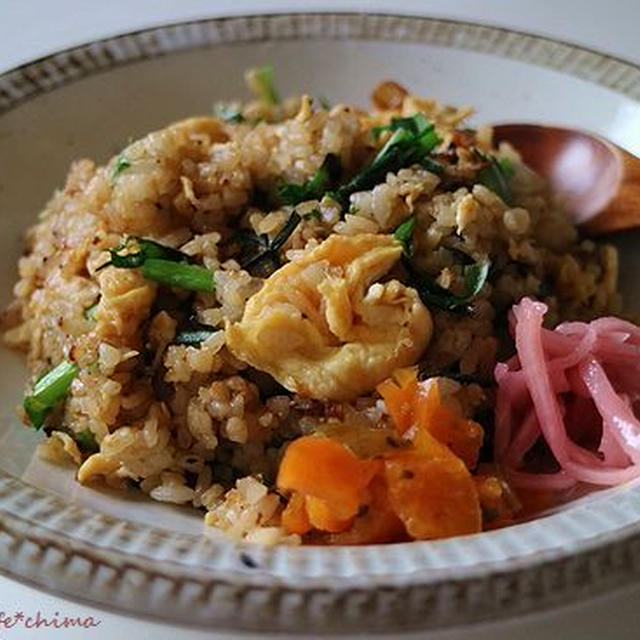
(623, 210)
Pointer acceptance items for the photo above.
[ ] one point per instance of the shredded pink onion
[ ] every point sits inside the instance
(593, 368)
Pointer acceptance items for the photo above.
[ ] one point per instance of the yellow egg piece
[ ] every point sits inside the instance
(325, 326)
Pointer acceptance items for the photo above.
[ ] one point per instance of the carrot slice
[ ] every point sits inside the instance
(294, 516)
(322, 515)
(323, 468)
(399, 394)
(378, 523)
(434, 498)
(462, 436)
(408, 405)
(425, 443)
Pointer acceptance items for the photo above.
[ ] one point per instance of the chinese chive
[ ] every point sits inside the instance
(178, 275)
(404, 235)
(270, 257)
(411, 142)
(86, 441)
(228, 112)
(195, 335)
(495, 176)
(260, 81)
(314, 188)
(146, 249)
(48, 390)
(121, 165)
(432, 294)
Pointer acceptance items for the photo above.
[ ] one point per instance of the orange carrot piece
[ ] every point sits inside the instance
(323, 516)
(434, 498)
(294, 516)
(408, 404)
(426, 444)
(379, 522)
(323, 468)
(461, 435)
(399, 394)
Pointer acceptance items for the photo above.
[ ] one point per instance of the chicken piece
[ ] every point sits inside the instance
(324, 327)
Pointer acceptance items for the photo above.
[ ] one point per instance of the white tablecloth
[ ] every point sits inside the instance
(32, 28)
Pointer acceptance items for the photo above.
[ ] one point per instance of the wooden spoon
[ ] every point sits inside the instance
(599, 181)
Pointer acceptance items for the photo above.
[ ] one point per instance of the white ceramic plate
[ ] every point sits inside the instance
(155, 560)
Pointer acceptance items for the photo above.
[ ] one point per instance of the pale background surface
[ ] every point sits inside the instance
(33, 28)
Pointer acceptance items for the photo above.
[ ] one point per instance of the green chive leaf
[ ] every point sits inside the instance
(268, 260)
(121, 165)
(146, 249)
(416, 125)
(507, 167)
(178, 275)
(404, 235)
(228, 112)
(261, 82)
(194, 335)
(432, 294)
(86, 441)
(48, 390)
(495, 176)
(475, 275)
(411, 142)
(314, 188)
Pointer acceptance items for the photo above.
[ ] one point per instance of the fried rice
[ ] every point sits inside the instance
(206, 423)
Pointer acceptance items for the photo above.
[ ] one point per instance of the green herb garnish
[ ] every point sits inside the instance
(48, 390)
(161, 264)
(260, 81)
(90, 312)
(412, 141)
(178, 275)
(86, 441)
(121, 165)
(431, 293)
(416, 125)
(228, 112)
(268, 259)
(146, 249)
(507, 167)
(314, 188)
(404, 235)
(195, 334)
(496, 175)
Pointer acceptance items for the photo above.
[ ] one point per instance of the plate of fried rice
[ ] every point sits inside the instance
(292, 340)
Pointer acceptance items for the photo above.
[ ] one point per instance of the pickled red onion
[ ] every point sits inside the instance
(597, 362)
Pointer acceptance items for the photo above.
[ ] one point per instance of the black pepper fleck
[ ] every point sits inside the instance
(248, 561)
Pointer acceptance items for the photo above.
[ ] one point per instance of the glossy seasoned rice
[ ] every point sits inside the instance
(204, 424)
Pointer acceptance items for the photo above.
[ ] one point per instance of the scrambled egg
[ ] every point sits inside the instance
(324, 327)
